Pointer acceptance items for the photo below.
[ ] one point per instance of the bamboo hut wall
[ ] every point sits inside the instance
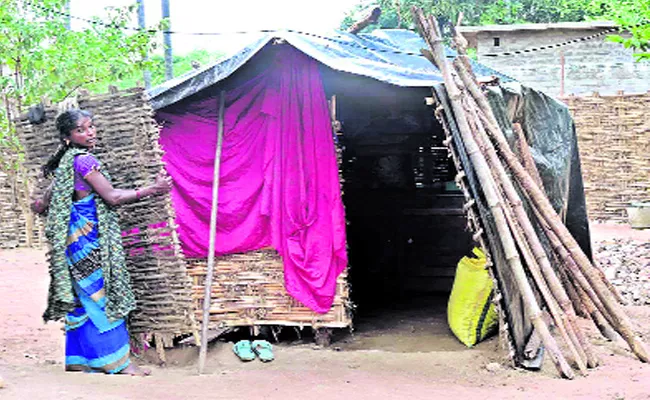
(17, 227)
(614, 143)
(128, 148)
(248, 290)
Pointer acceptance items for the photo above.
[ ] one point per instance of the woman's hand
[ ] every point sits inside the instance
(163, 183)
(40, 200)
(37, 206)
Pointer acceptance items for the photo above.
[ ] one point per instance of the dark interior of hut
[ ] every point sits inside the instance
(406, 228)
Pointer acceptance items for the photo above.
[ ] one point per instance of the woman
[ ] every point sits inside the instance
(90, 287)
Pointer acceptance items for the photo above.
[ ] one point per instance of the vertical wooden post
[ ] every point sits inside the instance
(167, 40)
(213, 233)
(562, 74)
(143, 25)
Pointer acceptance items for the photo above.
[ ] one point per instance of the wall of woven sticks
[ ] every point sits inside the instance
(128, 148)
(614, 142)
(18, 228)
(248, 289)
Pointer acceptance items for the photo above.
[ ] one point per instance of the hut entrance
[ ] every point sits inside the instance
(406, 228)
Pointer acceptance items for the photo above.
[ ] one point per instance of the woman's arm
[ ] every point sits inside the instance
(115, 197)
(40, 205)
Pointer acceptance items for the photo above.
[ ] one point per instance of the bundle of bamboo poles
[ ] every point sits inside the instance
(569, 285)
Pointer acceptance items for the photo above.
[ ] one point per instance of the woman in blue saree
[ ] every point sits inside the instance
(90, 286)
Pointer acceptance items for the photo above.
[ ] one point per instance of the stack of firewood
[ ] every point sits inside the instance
(564, 278)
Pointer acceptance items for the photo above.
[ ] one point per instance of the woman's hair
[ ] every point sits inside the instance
(65, 123)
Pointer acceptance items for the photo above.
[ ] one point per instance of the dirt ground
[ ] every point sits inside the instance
(405, 354)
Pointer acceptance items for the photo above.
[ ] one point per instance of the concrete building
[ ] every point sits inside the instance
(582, 67)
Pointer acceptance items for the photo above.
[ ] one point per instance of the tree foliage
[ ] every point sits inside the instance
(181, 64)
(396, 13)
(40, 57)
(634, 17)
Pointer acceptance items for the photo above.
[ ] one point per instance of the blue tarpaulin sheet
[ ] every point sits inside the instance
(388, 55)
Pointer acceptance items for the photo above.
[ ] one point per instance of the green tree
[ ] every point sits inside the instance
(634, 17)
(182, 64)
(39, 57)
(396, 13)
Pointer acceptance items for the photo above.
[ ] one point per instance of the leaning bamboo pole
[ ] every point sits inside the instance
(541, 258)
(527, 160)
(526, 239)
(581, 301)
(431, 34)
(560, 292)
(213, 233)
(619, 319)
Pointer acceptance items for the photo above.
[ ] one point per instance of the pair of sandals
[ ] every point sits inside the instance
(247, 350)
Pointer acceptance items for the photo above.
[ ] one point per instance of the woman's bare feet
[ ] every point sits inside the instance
(134, 370)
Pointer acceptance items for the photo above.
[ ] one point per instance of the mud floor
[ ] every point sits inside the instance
(403, 353)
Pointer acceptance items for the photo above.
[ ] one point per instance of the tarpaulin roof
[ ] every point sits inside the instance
(388, 55)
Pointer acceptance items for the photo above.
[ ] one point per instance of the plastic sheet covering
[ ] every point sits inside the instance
(550, 133)
(388, 55)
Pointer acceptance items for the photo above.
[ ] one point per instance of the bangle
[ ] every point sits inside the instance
(137, 195)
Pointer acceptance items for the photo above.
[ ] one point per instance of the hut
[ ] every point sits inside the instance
(405, 205)
(412, 206)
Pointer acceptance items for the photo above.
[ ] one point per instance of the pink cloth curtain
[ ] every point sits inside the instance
(279, 183)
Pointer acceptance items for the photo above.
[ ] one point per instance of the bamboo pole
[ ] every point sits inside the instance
(526, 159)
(596, 316)
(207, 297)
(587, 295)
(479, 235)
(620, 320)
(431, 33)
(526, 238)
(560, 292)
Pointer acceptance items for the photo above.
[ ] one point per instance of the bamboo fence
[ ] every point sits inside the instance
(128, 148)
(18, 227)
(248, 289)
(614, 143)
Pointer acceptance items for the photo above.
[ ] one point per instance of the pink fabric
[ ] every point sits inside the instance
(279, 183)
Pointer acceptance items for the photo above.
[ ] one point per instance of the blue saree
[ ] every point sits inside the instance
(93, 343)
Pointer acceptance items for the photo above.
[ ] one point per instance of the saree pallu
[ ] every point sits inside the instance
(93, 343)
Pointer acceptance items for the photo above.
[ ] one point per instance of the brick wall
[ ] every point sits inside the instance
(591, 66)
(614, 142)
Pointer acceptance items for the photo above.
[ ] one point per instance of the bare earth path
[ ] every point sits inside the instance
(366, 366)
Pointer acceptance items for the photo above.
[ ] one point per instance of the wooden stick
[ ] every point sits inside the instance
(528, 162)
(367, 20)
(430, 32)
(526, 238)
(213, 233)
(561, 294)
(596, 316)
(620, 321)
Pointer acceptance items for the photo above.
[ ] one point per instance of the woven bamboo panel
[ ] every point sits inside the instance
(248, 289)
(614, 143)
(17, 227)
(128, 148)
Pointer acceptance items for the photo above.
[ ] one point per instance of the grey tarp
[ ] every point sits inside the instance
(388, 55)
(550, 132)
